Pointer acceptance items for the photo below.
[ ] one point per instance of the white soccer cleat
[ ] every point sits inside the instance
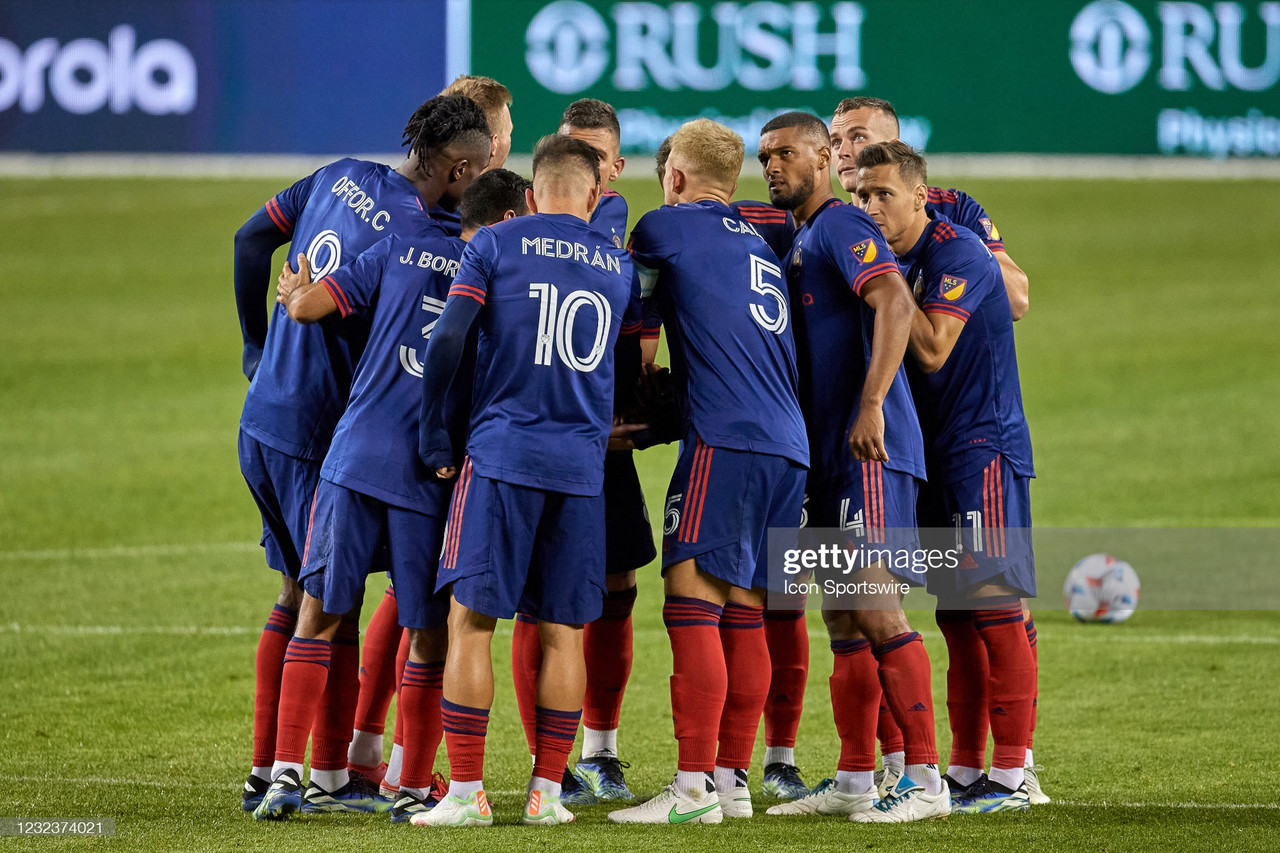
(736, 803)
(457, 811)
(826, 799)
(905, 803)
(673, 806)
(888, 777)
(542, 809)
(1038, 796)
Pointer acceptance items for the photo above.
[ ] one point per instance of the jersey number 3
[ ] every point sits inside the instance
(556, 318)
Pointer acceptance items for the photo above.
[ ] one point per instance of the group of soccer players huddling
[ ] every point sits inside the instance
(457, 373)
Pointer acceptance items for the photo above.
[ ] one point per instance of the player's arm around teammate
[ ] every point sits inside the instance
(980, 462)
(862, 121)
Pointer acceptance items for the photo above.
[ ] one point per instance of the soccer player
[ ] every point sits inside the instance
(784, 627)
(859, 122)
(629, 538)
(964, 378)
(719, 290)
(495, 99)
(853, 315)
(550, 297)
(301, 375)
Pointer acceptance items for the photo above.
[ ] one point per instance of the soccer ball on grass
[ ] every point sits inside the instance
(1101, 588)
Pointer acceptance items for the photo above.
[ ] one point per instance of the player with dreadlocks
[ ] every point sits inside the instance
(300, 378)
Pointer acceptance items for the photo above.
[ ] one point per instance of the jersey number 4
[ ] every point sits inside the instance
(556, 319)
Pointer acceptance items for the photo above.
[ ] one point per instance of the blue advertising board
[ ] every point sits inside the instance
(305, 76)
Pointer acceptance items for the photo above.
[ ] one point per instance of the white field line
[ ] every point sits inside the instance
(129, 630)
(126, 551)
(234, 786)
(952, 166)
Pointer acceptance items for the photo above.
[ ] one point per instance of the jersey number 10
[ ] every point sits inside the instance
(556, 318)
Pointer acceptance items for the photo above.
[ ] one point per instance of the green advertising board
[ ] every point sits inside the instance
(1040, 76)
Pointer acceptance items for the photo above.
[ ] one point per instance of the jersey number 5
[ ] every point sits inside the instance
(761, 272)
(556, 318)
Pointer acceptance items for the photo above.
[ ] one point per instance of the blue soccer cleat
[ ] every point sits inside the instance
(251, 793)
(282, 799)
(959, 791)
(360, 794)
(602, 775)
(988, 797)
(573, 792)
(404, 806)
(783, 781)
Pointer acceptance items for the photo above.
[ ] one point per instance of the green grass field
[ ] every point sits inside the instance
(134, 589)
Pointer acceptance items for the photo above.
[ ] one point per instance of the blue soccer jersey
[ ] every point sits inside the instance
(971, 408)
(721, 295)
(776, 227)
(554, 296)
(836, 252)
(402, 283)
(301, 385)
(610, 217)
(449, 220)
(964, 210)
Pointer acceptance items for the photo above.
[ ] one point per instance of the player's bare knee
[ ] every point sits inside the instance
(290, 593)
(314, 623)
(428, 645)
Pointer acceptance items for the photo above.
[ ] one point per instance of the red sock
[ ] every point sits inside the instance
(967, 674)
(332, 730)
(526, 663)
(306, 669)
(464, 733)
(788, 638)
(905, 680)
(1030, 625)
(855, 701)
(1011, 684)
(553, 741)
(402, 657)
(420, 694)
(266, 693)
(699, 680)
(746, 653)
(607, 642)
(887, 731)
(378, 666)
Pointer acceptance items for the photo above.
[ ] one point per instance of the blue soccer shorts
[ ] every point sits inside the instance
(514, 548)
(720, 506)
(283, 487)
(353, 535)
(990, 512)
(873, 506)
(628, 534)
